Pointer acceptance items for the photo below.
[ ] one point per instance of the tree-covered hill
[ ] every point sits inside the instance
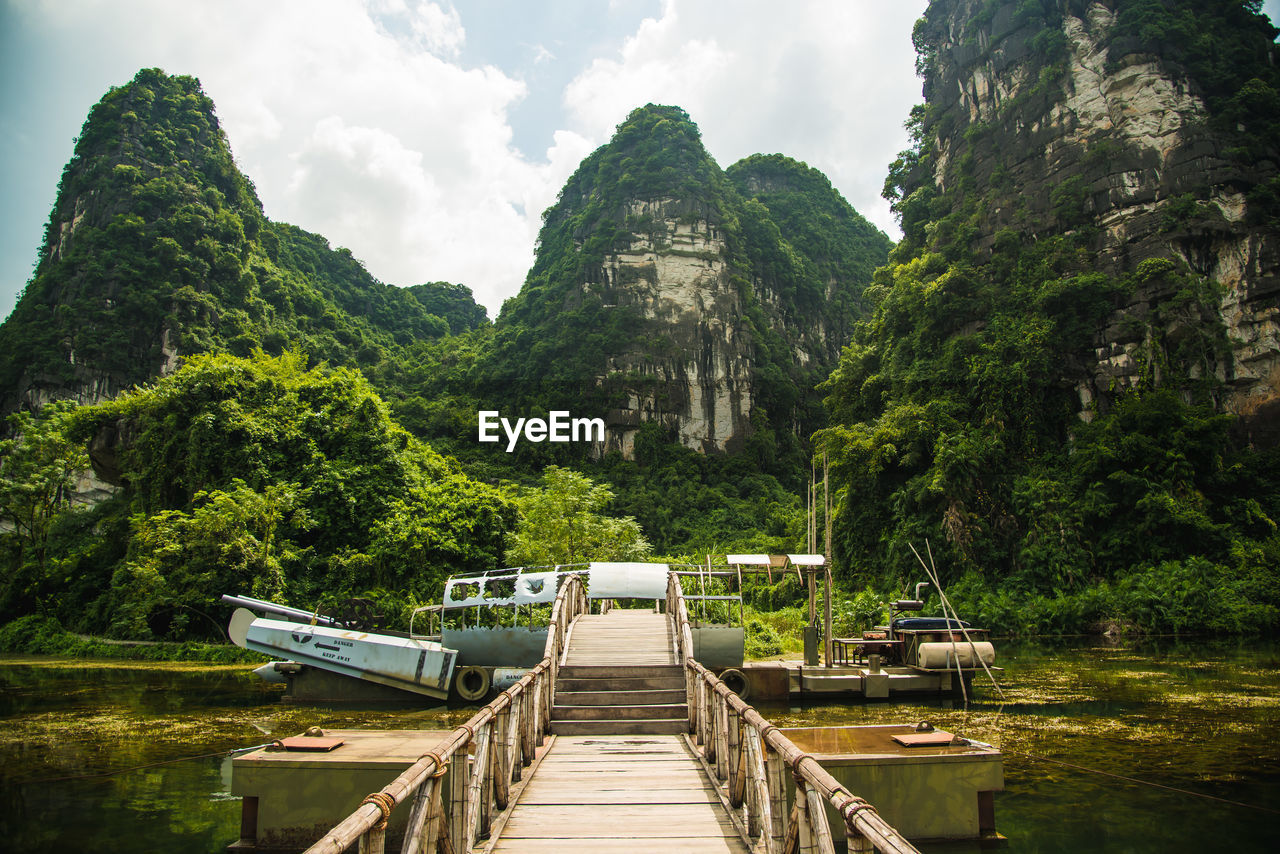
(157, 248)
(663, 294)
(1066, 351)
(251, 475)
(839, 247)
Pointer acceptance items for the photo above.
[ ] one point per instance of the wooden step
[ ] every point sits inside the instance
(620, 698)
(623, 683)
(654, 727)
(598, 671)
(620, 713)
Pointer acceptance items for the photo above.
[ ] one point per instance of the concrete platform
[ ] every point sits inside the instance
(291, 799)
(940, 792)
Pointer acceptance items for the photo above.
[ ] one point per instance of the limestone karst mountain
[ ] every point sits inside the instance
(1086, 293)
(668, 292)
(1145, 130)
(157, 247)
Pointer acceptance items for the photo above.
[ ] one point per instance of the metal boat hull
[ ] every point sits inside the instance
(420, 666)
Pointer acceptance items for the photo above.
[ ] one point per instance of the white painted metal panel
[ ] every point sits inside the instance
(514, 588)
(413, 665)
(627, 580)
(806, 560)
(748, 560)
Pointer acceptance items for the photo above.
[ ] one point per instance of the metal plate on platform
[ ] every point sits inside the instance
(937, 738)
(311, 744)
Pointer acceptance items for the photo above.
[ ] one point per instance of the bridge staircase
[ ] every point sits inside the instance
(620, 676)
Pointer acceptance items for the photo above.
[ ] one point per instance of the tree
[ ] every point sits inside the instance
(560, 523)
(38, 468)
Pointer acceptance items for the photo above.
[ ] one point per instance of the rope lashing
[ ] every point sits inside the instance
(850, 808)
(795, 766)
(442, 765)
(385, 803)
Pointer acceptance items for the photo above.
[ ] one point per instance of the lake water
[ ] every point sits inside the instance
(1195, 716)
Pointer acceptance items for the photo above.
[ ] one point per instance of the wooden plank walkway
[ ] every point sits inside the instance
(619, 793)
(621, 638)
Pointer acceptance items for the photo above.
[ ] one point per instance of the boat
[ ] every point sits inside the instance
(415, 664)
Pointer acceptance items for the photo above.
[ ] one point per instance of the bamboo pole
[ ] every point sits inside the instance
(776, 780)
(737, 760)
(374, 840)
(458, 803)
(419, 817)
(501, 763)
(818, 821)
(761, 815)
(476, 794)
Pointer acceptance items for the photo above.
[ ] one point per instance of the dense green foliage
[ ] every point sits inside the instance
(796, 253)
(833, 243)
(554, 339)
(561, 523)
(955, 410)
(157, 240)
(262, 477)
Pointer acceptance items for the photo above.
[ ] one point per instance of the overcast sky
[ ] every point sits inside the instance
(428, 137)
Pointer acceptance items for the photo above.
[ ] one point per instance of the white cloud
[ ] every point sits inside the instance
(829, 83)
(358, 119)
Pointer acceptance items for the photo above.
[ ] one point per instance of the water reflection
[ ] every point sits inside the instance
(1186, 715)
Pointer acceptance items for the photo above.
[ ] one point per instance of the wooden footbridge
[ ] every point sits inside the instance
(617, 741)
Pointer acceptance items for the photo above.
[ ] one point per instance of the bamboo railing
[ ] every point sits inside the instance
(505, 734)
(752, 757)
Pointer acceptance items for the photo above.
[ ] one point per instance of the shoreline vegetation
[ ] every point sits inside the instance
(39, 635)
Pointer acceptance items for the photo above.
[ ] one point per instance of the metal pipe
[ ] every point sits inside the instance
(284, 610)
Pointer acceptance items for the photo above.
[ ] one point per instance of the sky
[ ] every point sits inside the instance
(429, 137)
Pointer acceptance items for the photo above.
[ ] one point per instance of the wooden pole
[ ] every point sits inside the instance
(502, 759)
(457, 778)
(776, 778)
(737, 785)
(826, 501)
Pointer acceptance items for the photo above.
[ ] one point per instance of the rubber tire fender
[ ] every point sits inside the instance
(737, 682)
(472, 683)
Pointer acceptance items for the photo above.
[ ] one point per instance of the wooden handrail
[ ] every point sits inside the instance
(731, 733)
(510, 726)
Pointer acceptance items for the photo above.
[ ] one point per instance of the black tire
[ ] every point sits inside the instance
(472, 683)
(737, 682)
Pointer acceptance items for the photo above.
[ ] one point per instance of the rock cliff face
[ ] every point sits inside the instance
(1078, 117)
(692, 372)
(666, 292)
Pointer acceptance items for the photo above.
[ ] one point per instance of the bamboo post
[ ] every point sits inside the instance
(722, 736)
(457, 778)
(476, 794)
(791, 839)
(527, 724)
(737, 783)
(804, 819)
(776, 780)
(702, 711)
(502, 759)
(761, 808)
(419, 816)
(488, 781)
(374, 840)
(818, 821)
